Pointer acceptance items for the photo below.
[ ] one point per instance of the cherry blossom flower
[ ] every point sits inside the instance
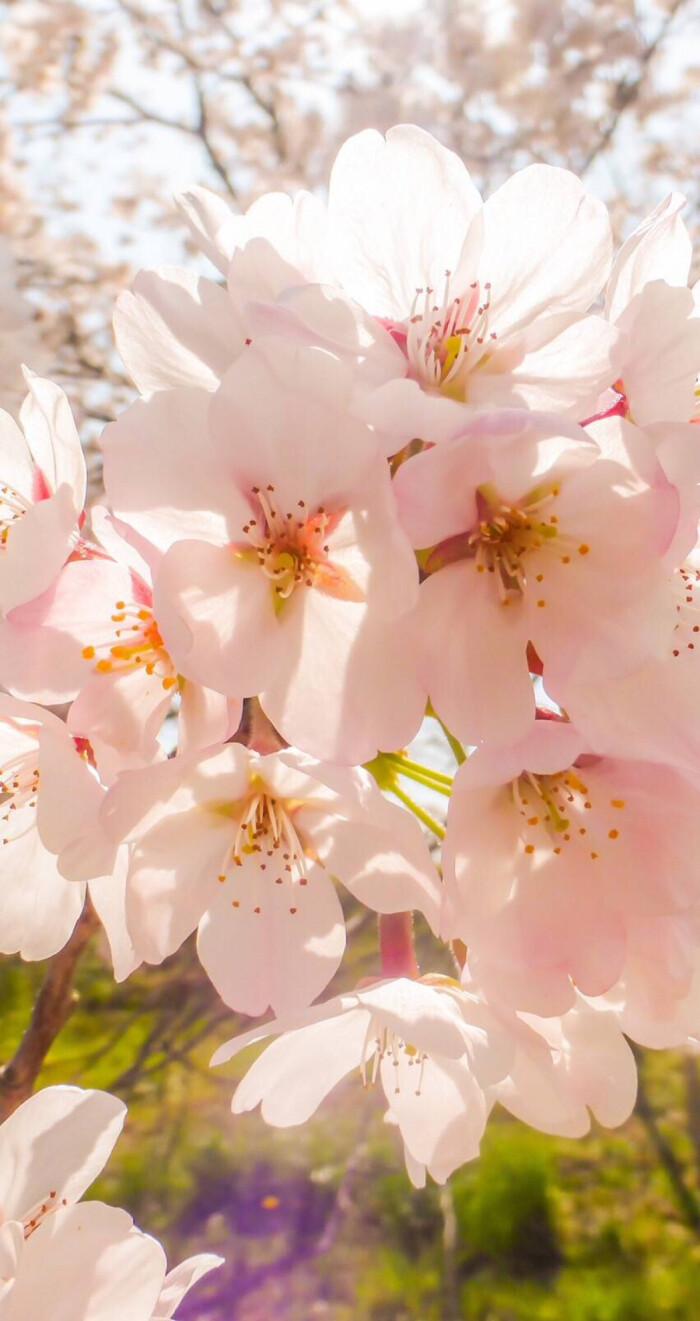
(42, 492)
(487, 300)
(554, 856)
(50, 843)
(284, 572)
(243, 848)
(65, 1258)
(107, 652)
(174, 329)
(434, 1047)
(41, 813)
(408, 272)
(534, 538)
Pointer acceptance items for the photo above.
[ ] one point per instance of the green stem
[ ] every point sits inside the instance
(425, 817)
(457, 750)
(413, 770)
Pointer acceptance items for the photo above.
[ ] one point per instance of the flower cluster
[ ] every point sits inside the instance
(413, 453)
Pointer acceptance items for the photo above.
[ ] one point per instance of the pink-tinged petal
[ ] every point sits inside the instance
(536, 1090)
(272, 419)
(435, 494)
(113, 536)
(510, 449)
(143, 798)
(181, 1279)
(176, 330)
(56, 1143)
(402, 411)
(53, 438)
(30, 669)
(658, 249)
(421, 1015)
(659, 367)
(206, 717)
(295, 227)
(415, 1171)
(298, 1070)
(381, 857)
(123, 712)
(566, 1066)
(38, 908)
(398, 210)
(16, 466)
(216, 614)
(654, 712)
(36, 548)
(269, 942)
(88, 1262)
(70, 794)
(41, 646)
(603, 1072)
(321, 315)
(471, 656)
(369, 556)
(334, 580)
(596, 623)
(348, 688)
(108, 896)
(547, 247)
(208, 217)
(151, 480)
(440, 1110)
(11, 1249)
(173, 880)
(565, 374)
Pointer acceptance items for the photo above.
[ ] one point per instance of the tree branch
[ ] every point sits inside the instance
(685, 1197)
(628, 91)
(54, 1006)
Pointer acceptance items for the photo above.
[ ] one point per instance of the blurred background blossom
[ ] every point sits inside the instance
(108, 107)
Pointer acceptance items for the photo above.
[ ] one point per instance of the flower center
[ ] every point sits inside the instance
(19, 786)
(687, 628)
(266, 835)
(381, 1043)
(33, 1218)
(139, 645)
(13, 507)
(561, 810)
(446, 339)
(292, 549)
(506, 537)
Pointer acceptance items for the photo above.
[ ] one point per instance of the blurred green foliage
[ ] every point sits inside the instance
(321, 1221)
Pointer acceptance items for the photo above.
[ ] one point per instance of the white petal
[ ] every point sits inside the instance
(56, 1143)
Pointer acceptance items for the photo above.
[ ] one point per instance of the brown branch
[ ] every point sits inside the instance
(686, 1199)
(54, 1006)
(628, 91)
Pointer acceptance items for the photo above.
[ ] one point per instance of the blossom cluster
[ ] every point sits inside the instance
(409, 453)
